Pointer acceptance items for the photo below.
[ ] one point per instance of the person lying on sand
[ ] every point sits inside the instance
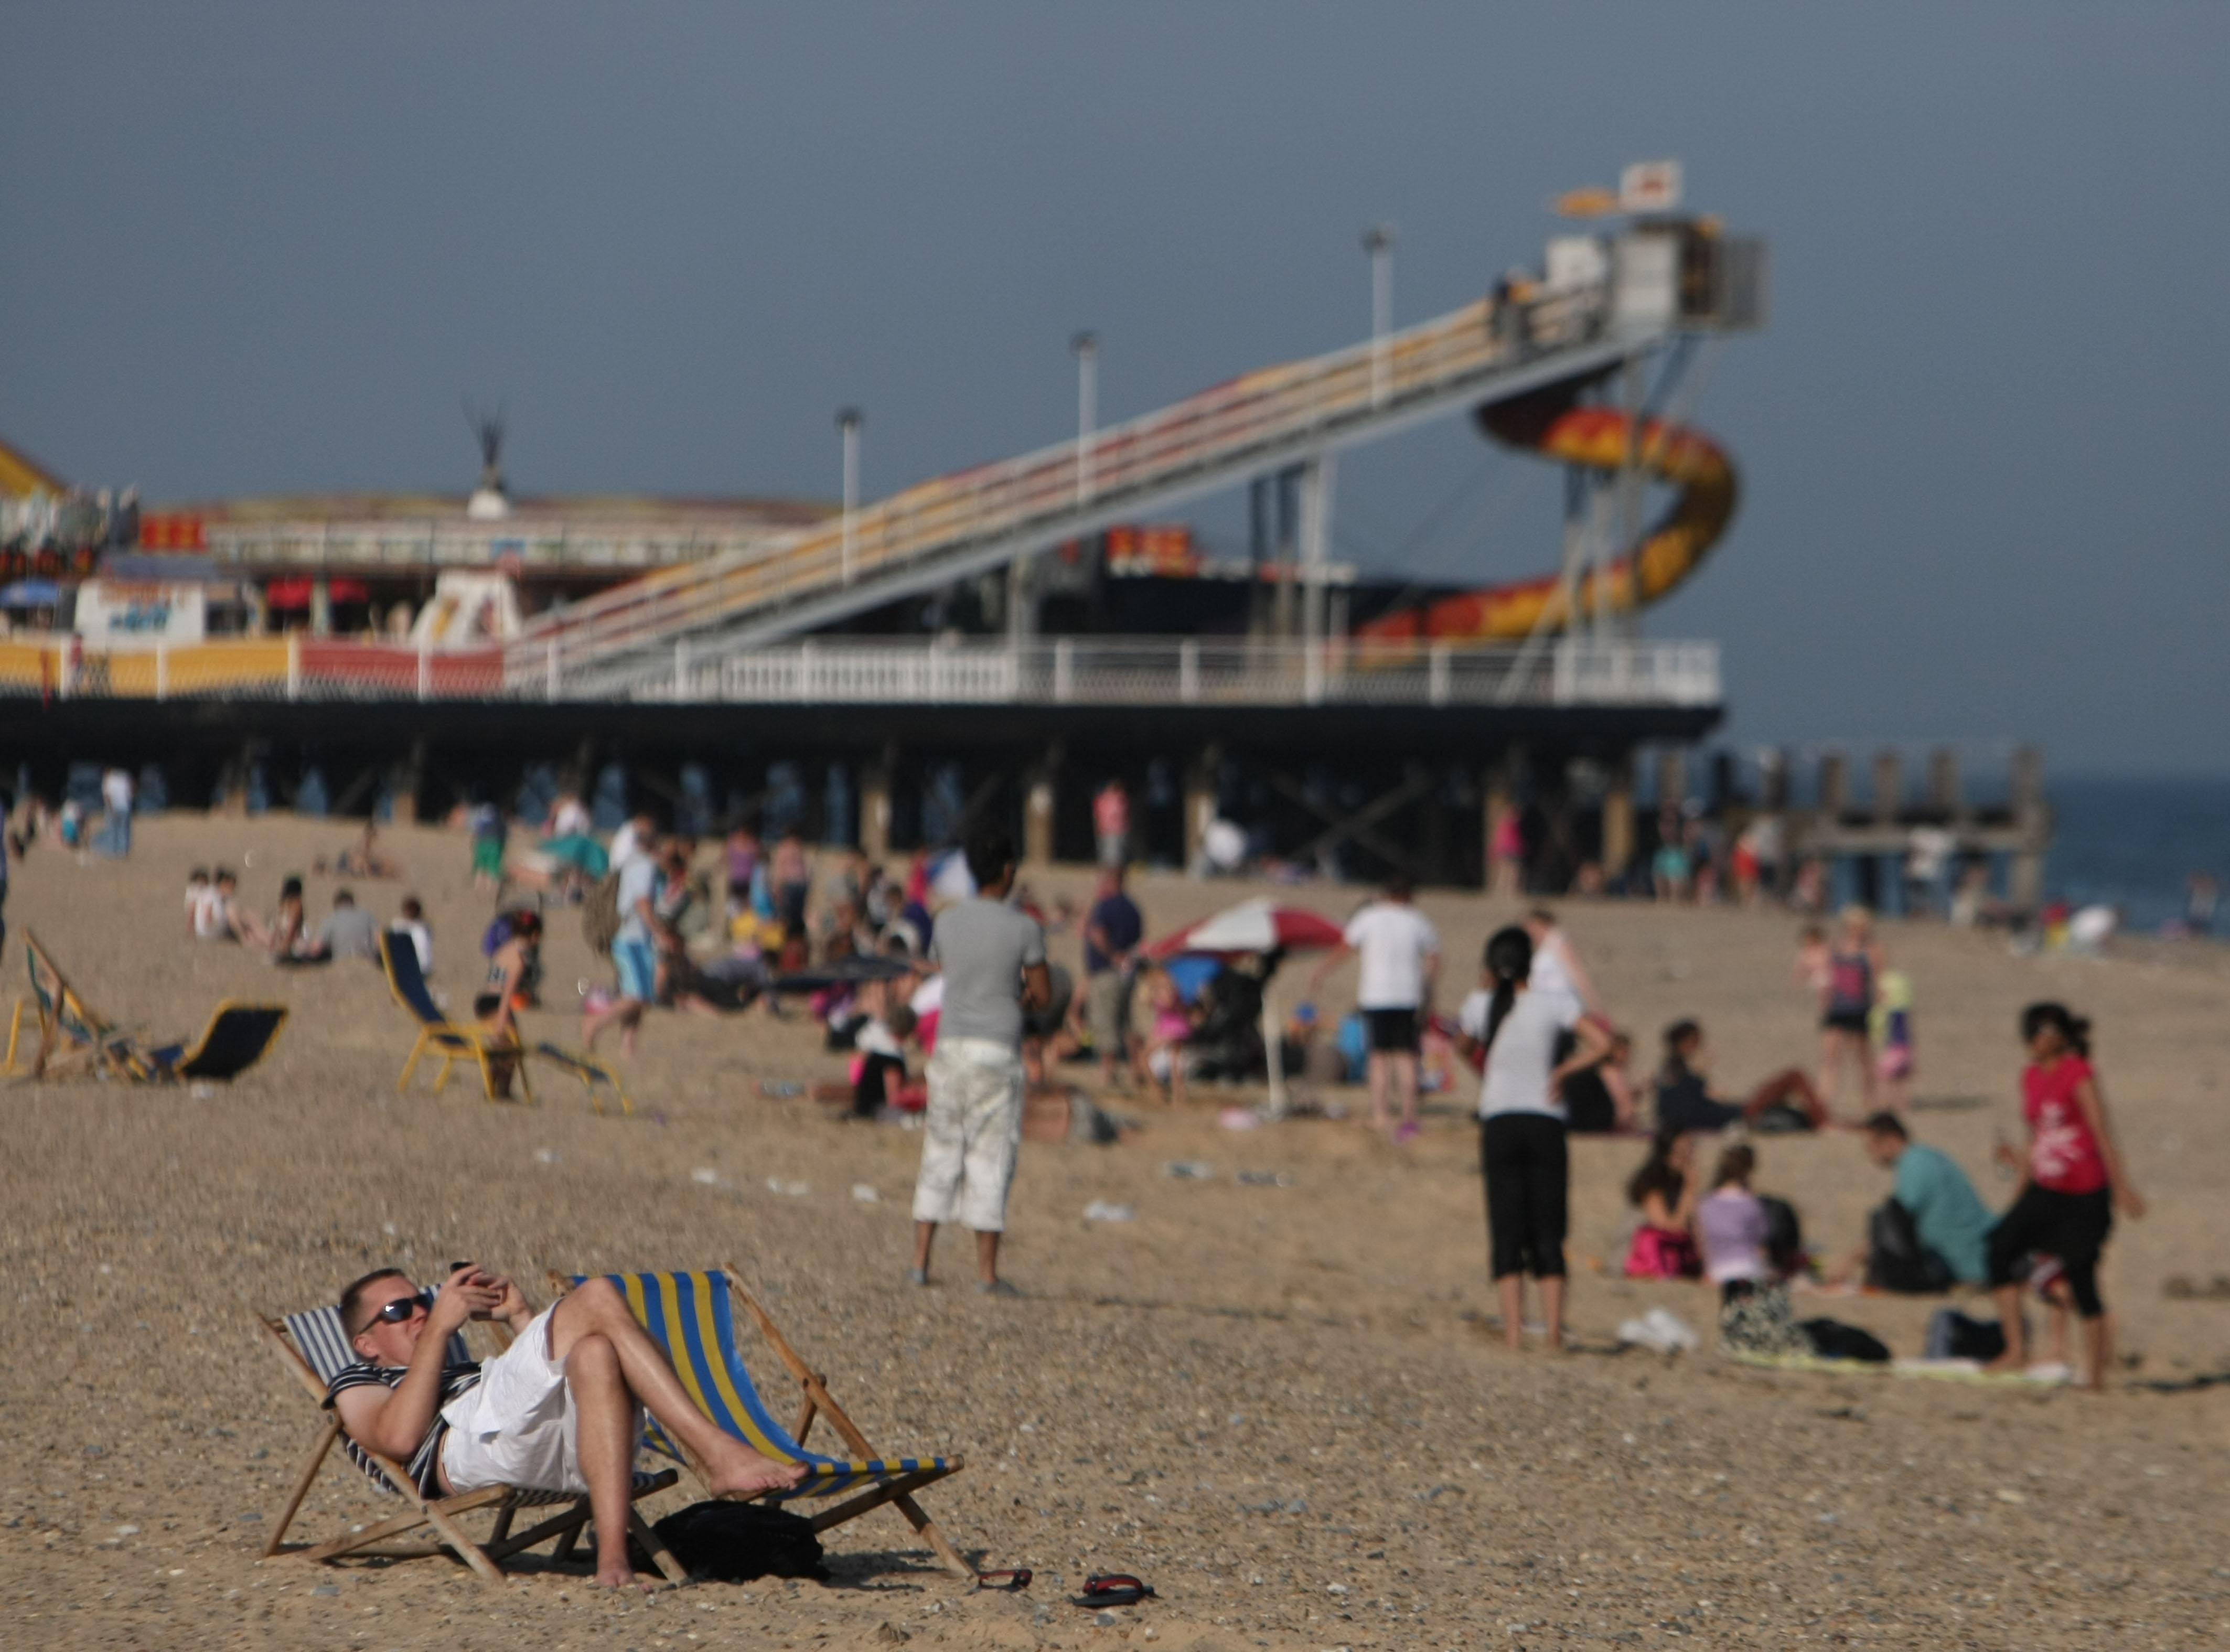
(1686, 1101)
(560, 1411)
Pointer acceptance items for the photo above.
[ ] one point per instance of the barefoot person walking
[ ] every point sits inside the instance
(1521, 1133)
(2071, 1183)
(993, 959)
(1400, 960)
(560, 1410)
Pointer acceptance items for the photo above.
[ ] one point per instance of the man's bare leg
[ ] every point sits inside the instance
(1381, 1080)
(1405, 1086)
(925, 1235)
(605, 1414)
(1513, 1310)
(595, 1308)
(987, 1258)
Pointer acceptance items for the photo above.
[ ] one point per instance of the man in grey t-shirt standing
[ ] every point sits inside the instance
(993, 962)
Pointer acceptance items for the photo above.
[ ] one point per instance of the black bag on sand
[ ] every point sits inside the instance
(1954, 1335)
(1784, 1237)
(1780, 1119)
(1833, 1339)
(1896, 1259)
(724, 1542)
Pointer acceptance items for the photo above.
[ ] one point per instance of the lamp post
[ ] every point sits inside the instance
(1086, 345)
(1378, 242)
(847, 421)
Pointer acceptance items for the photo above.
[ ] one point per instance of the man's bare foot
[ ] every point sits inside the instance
(747, 1474)
(614, 1574)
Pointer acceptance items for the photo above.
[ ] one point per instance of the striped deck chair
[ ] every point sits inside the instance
(437, 1035)
(691, 1317)
(313, 1349)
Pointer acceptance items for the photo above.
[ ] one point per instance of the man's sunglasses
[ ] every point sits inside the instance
(395, 1312)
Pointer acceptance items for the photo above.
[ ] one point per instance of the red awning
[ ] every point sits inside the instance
(293, 590)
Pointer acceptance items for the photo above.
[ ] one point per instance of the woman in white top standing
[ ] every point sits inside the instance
(1521, 1133)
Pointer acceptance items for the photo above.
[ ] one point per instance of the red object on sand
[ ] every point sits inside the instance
(1252, 926)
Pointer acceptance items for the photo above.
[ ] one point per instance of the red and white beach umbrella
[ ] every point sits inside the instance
(1252, 926)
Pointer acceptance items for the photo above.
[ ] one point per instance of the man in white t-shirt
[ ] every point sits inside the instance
(1401, 962)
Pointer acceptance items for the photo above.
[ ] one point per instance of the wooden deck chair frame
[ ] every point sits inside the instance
(451, 1042)
(817, 1402)
(589, 1069)
(70, 1029)
(371, 1540)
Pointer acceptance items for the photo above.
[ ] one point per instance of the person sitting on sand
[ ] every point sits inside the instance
(1160, 1058)
(410, 921)
(197, 895)
(1754, 1316)
(1685, 1101)
(1935, 1230)
(364, 859)
(287, 937)
(560, 1411)
(349, 931)
(1664, 1189)
(2072, 1181)
(1599, 1097)
(219, 917)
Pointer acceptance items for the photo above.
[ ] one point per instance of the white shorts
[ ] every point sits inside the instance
(971, 1135)
(517, 1425)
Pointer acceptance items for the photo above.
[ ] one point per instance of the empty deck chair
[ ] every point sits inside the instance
(438, 1036)
(313, 1348)
(691, 1317)
(71, 1031)
(237, 1036)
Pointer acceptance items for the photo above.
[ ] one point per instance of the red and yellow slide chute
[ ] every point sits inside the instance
(1552, 423)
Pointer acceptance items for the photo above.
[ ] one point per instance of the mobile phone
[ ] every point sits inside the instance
(456, 1265)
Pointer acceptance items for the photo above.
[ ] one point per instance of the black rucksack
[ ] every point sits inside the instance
(1896, 1259)
(726, 1542)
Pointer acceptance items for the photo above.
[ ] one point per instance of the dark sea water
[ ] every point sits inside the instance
(2131, 844)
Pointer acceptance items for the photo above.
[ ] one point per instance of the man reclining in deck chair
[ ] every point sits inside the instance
(561, 1409)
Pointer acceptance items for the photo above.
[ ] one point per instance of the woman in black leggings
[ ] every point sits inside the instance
(1521, 1133)
(2072, 1181)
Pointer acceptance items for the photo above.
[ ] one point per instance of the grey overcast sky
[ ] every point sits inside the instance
(266, 248)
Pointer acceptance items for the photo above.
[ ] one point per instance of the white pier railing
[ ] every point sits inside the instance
(1188, 671)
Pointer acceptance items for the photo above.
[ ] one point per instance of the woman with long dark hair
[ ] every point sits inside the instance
(1664, 1190)
(1521, 1133)
(2072, 1181)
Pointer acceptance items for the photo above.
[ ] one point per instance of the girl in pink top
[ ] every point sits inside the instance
(2072, 1183)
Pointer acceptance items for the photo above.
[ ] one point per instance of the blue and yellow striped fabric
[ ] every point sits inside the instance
(691, 1317)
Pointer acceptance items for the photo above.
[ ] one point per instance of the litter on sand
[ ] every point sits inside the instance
(545, 1155)
(865, 1193)
(1188, 1170)
(1661, 1331)
(1264, 1178)
(705, 1174)
(789, 1190)
(1101, 1210)
(1240, 1119)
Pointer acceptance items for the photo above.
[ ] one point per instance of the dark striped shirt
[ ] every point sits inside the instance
(457, 1377)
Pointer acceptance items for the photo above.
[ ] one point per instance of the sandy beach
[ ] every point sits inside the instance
(1279, 1403)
